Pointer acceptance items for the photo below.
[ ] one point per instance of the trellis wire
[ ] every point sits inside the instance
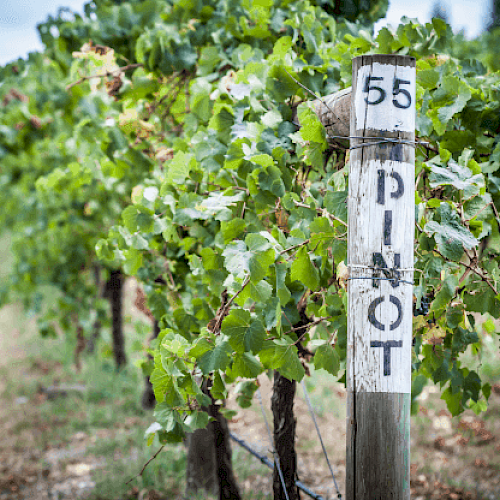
(275, 455)
(268, 462)
(380, 140)
(313, 415)
(381, 279)
(380, 269)
(377, 268)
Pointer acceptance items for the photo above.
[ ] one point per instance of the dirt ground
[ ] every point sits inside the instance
(452, 459)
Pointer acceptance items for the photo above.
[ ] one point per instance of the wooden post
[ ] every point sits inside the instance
(380, 260)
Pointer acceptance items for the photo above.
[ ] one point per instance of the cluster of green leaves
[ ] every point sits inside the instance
(249, 205)
(187, 169)
(67, 173)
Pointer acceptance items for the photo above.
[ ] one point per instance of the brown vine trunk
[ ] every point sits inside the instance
(114, 293)
(80, 347)
(209, 467)
(284, 437)
(148, 399)
(96, 327)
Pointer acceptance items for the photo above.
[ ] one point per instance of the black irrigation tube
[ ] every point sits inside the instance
(268, 462)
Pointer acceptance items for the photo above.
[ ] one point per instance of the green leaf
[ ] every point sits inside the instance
(478, 406)
(482, 299)
(232, 229)
(304, 270)
(472, 386)
(244, 393)
(272, 118)
(164, 388)
(451, 236)
(444, 295)
(258, 292)
(457, 176)
(216, 205)
(281, 47)
(246, 365)
(489, 326)
(261, 256)
(133, 261)
(272, 313)
(335, 203)
(428, 78)
(311, 128)
(200, 347)
(255, 261)
(282, 355)
(139, 242)
(178, 169)
(245, 334)
(321, 231)
(454, 316)
(165, 416)
(217, 358)
(453, 401)
(197, 420)
(326, 358)
(137, 219)
(104, 250)
(282, 290)
(237, 259)
(218, 389)
(462, 339)
(446, 113)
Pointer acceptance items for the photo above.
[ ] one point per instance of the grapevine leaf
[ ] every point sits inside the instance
(451, 236)
(245, 334)
(217, 358)
(304, 270)
(246, 365)
(326, 358)
(197, 420)
(457, 176)
(178, 169)
(258, 292)
(282, 356)
(335, 203)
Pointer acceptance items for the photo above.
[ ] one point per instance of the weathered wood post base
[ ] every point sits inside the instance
(378, 448)
(381, 229)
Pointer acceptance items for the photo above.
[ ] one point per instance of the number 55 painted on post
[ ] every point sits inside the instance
(387, 99)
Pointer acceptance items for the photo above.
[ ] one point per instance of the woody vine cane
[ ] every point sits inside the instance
(380, 260)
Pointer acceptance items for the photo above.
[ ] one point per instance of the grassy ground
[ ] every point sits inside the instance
(89, 443)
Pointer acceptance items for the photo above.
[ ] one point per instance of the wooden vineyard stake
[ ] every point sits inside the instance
(380, 260)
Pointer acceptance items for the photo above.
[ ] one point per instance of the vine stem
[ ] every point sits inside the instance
(231, 300)
(320, 210)
(145, 465)
(475, 270)
(313, 94)
(306, 242)
(496, 214)
(309, 325)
